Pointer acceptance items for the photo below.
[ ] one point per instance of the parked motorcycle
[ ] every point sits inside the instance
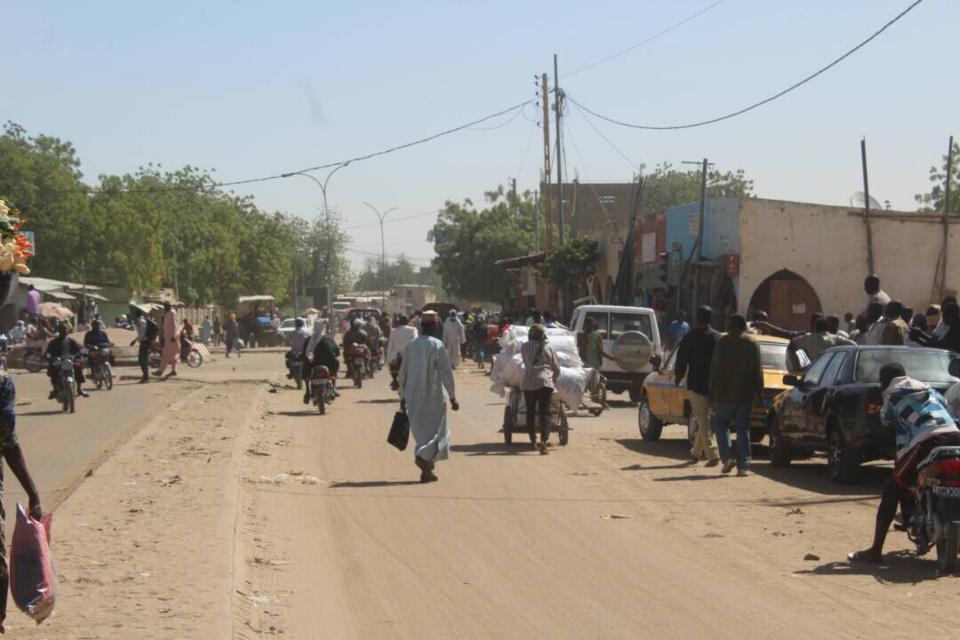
(936, 522)
(101, 371)
(66, 386)
(194, 357)
(295, 368)
(321, 388)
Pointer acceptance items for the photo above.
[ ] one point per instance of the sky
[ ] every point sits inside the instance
(252, 88)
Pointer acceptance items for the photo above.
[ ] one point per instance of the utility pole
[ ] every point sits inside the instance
(536, 221)
(946, 221)
(866, 205)
(548, 209)
(698, 242)
(558, 110)
(513, 189)
(383, 252)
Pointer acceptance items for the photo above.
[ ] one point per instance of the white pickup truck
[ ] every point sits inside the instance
(612, 322)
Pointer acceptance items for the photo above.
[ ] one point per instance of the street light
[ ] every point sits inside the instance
(383, 251)
(326, 215)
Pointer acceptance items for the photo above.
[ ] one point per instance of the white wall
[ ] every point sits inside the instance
(828, 247)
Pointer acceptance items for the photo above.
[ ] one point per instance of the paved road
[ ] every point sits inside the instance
(610, 537)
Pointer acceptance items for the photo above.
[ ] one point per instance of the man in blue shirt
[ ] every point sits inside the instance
(678, 328)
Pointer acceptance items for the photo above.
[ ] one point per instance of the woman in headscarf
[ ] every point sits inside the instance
(541, 369)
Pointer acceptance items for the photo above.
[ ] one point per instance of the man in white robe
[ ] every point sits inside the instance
(454, 336)
(425, 372)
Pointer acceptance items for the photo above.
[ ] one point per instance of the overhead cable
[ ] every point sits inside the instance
(755, 105)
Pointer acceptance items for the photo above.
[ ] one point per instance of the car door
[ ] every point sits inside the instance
(671, 395)
(794, 423)
(818, 400)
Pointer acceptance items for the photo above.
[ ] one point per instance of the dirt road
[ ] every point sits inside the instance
(241, 513)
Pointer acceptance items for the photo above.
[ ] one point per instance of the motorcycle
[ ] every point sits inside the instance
(194, 357)
(394, 372)
(33, 359)
(936, 521)
(101, 370)
(376, 360)
(66, 386)
(295, 368)
(4, 342)
(321, 388)
(359, 358)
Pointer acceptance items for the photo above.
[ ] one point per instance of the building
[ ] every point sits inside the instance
(791, 258)
(531, 289)
(407, 298)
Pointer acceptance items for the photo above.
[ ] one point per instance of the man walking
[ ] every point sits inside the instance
(453, 338)
(678, 328)
(171, 341)
(736, 379)
(694, 356)
(424, 373)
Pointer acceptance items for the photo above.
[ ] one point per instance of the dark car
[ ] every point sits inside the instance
(834, 407)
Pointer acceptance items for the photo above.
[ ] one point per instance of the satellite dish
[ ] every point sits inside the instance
(859, 200)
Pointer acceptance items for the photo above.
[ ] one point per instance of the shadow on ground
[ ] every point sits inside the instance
(899, 567)
(492, 449)
(365, 484)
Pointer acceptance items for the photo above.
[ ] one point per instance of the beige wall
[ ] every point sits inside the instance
(827, 246)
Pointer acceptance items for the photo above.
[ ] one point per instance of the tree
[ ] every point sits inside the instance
(375, 278)
(933, 201)
(469, 242)
(668, 186)
(571, 264)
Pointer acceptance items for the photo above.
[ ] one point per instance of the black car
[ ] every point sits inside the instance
(834, 407)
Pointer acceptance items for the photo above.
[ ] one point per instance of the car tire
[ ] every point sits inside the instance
(507, 425)
(650, 426)
(778, 450)
(842, 464)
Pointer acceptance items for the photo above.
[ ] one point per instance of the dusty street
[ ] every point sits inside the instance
(240, 513)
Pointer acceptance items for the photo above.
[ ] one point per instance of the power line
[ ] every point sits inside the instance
(329, 165)
(375, 224)
(655, 36)
(755, 105)
(605, 138)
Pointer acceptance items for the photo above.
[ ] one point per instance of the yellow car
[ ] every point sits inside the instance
(663, 402)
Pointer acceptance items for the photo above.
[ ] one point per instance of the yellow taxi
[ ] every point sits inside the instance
(662, 402)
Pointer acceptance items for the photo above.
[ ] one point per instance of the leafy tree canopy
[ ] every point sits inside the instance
(668, 186)
(933, 200)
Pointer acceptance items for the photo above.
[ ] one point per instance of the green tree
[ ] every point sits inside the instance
(933, 201)
(377, 277)
(571, 264)
(668, 186)
(469, 241)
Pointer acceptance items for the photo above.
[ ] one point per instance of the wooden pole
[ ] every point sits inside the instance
(946, 221)
(866, 205)
(547, 196)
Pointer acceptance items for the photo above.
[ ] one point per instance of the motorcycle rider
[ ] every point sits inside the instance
(373, 335)
(19, 333)
(61, 346)
(923, 422)
(354, 335)
(96, 337)
(320, 351)
(298, 342)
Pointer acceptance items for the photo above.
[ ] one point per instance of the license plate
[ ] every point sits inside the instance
(947, 492)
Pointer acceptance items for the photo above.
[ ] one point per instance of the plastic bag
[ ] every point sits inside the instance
(33, 581)
(570, 385)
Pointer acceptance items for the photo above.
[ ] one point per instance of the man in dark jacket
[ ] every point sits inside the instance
(736, 380)
(693, 360)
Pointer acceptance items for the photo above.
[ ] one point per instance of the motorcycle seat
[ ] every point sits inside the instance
(940, 453)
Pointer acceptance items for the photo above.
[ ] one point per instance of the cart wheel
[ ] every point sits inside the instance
(507, 425)
(596, 412)
(564, 430)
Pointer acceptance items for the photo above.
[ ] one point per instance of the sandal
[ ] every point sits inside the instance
(867, 555)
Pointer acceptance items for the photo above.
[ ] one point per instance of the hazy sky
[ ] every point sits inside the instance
(254, 88)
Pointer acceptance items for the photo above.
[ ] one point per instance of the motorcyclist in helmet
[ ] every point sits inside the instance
(61, 346)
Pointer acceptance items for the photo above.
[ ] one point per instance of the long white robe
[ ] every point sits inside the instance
(424, 374)
(454, 335)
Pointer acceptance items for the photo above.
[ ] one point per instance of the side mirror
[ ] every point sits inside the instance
(656, 361)
(791, 380)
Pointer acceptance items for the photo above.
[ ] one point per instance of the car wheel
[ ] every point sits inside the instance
(842, 463)
(778, 449)
(650, 426)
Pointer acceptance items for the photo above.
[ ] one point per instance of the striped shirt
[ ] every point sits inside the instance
(540, 366)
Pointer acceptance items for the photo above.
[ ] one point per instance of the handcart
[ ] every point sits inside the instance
(594, 398)
(515, 417)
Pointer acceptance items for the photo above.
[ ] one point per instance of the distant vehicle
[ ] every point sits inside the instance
(289, 325)
(363, 314)
(835, 406)
(663, 402)
(612, 322)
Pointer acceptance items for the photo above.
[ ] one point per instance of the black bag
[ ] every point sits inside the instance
(152, 330)
(399, 430)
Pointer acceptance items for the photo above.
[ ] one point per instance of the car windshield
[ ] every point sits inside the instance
(288, 324)
(926, 365)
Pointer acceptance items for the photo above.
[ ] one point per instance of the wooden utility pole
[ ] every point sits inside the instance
(536, 222)
(866, 205)
(558, 148)
(946, 221)
(547, 209)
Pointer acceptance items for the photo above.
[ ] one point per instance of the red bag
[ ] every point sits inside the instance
(33, 581)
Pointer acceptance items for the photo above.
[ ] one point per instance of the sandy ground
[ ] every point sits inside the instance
(241, 513)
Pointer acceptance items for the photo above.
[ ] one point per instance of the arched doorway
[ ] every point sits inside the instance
(788, 299)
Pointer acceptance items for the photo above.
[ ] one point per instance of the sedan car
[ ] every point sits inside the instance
(663, 402)
(288, 326)
(835, 406)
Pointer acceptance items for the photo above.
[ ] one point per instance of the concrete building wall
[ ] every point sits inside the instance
(827, 246)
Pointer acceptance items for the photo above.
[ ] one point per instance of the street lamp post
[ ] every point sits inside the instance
(383, 251)
(326, 216)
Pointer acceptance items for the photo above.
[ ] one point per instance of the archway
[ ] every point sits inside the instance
(788, 299)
